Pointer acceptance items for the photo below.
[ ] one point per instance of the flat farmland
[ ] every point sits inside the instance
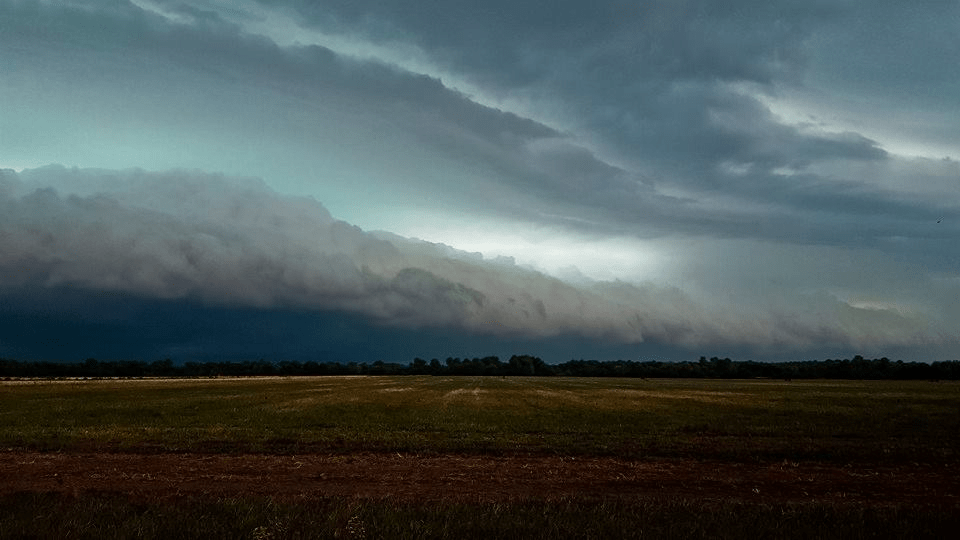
(835, 421)
(593, 457)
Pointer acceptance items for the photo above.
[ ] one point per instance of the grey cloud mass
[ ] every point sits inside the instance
(234, 243)
(752, 176)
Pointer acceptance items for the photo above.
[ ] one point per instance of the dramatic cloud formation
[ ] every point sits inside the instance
(762, 179)
(225, 243)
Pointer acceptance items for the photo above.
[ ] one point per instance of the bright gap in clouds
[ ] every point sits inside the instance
(897, 132)
(554, 252)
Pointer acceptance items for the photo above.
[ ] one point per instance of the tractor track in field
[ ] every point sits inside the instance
(472, 478)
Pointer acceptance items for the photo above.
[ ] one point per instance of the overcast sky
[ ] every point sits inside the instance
(360, 181)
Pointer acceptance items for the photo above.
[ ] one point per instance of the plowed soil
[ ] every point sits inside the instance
(471, 478)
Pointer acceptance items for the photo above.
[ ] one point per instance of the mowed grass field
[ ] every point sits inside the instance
(836, 421)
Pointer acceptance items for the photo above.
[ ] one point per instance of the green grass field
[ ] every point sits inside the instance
(717, 419)
(690, 421)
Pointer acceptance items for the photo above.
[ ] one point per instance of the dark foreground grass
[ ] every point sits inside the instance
(119, 516)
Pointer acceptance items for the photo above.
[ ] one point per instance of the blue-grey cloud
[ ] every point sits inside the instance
(235, 244)
(686, 129)
(789, 169)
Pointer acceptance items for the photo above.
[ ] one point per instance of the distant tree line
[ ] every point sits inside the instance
(518, 365)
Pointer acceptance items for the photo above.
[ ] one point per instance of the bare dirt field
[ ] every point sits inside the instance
(472, 478)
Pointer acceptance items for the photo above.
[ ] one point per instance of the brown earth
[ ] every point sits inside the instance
(472, 478)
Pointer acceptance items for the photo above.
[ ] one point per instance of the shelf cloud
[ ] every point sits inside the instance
(237, 244)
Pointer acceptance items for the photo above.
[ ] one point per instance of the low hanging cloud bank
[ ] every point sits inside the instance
(230, 243)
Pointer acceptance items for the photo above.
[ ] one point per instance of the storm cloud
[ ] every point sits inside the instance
(236, 244)
(767, 178)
